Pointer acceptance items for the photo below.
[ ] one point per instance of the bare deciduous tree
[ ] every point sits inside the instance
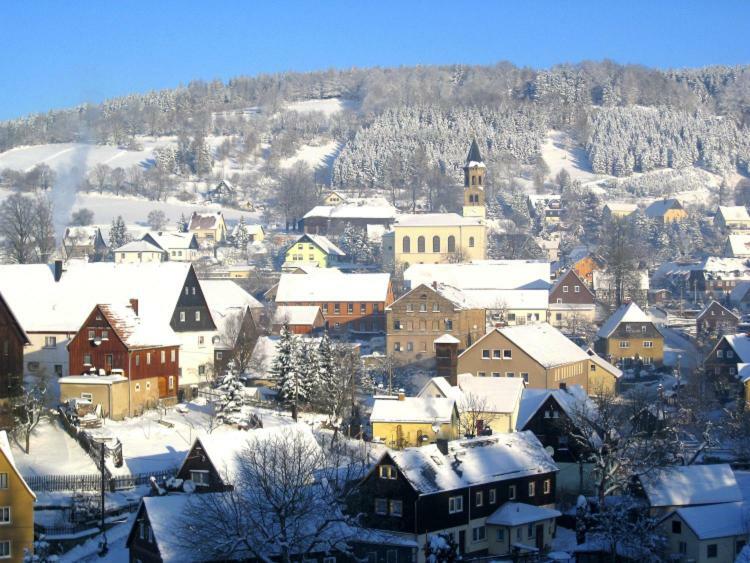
(474, 414)
(29, 406)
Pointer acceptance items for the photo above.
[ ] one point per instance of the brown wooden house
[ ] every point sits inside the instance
(117, 344)
(12, 340)
(571, 302)
(716, 319)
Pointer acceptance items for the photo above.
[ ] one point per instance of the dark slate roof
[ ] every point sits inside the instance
(474, 154)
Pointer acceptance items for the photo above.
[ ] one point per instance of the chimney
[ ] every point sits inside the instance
(564, 386)
(401, 395)
(434, 285)
(58, 270)
(442, 445)
(134, 306)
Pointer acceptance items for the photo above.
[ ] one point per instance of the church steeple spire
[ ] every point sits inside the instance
(474, 170)
(474, 154)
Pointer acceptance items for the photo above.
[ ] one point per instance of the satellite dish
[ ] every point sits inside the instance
(436, 427)
(550, 450)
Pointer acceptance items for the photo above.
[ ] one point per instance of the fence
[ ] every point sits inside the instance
(73, 529)
(93, 482)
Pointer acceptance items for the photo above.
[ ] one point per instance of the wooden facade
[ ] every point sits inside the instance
(363, 317)
(12, 340)
(716, 319)
(550, 424)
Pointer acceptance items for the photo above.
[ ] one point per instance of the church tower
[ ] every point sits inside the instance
(474, 171)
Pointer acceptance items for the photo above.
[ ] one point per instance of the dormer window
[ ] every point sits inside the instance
(387, 472)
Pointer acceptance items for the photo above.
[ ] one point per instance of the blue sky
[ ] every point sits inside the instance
(57, 54)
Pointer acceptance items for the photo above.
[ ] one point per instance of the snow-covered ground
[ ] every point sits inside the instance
(560, 151)
(89, 550)
(314, 155)
(53, 452)
(328, 106)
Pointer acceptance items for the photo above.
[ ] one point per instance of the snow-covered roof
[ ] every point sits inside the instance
(435, 220)
(739, 245)
(604, 364)
(619, 207)
(743, 372)
(8, 453)
(497, 394)
(412, 409)
(571, 400)
(205, 221)
(296, 314)
(321, 242)
(691, 485)
(92, 379)
(81, 235)
(627, 313)
(139, 246)
(544, 343)
(353, 211)
(446, 339)
(226, 294)
(734, 213)
(716, 520)
(44, 305)
(483, 274)
(718, 265)
(739, 291)
(168, 240)
(714, 304)
(473, 461)
(316, 288)
(740, 343)
(138, 330)
(519, 514)
(659, 207)
(443, 386)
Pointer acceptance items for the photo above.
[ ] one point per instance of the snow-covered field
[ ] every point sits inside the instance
(560, 151)
(53, 452)
(314, 155)
(328, 106)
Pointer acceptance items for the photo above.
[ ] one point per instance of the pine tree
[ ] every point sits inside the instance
(118, 233)
(285, 370)
(182, 223)
(325, 380)
(241, 237)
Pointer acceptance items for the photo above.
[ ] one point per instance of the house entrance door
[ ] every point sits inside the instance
(540, 536)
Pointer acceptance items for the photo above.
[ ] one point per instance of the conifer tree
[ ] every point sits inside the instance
(118, 233)
(285, 370)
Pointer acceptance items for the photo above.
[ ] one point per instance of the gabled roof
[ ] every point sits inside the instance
(443, 386)
(621, 207)
(740, 343)
(691, 485)
(716, 520)
(483, 274)
(305, 315)
(604, 364)
(167, 240)
(8, 453)
(323, 243)
(413, 409)
(739, 291)
(474, 157)
(498, 394)
(446, 339)
(142, 245)
(734, 213)
(661, 206)
(541, 341)
(520, 514)
(345, 211)
(205, 221)
(571, 273)
(739, 245)
(138, 331)
(14, 320)
(473, 461)
(714, 305)
(319, 287)
(570, 400)
(627, 313)
(42, 304)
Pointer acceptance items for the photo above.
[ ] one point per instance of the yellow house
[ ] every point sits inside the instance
(666, 210)
(603, 376)
(314, 250)
(209, 228)
(402, 422)
(334, 198)
(16, 508)
(629, 335)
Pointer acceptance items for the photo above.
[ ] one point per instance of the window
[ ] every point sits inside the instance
(423, 307)
(479, 498)
(5, 549)
(648, 344)
(565, 289)
(496, 374)
(406, 245)
(510, 374)
(479, 533)
(193, 290)
(197, 316)
(397, 507)
(137, 360)
(451, 243)
(387, 472)
(396, 346)
(381, 506)
(471, 242)
(643, 329)
(58, 370)
(558, 316)
(624, 344)
(336, 309)
(712, 550)
(164, 356)
(730, 353)
(92, 334)
(173, 355)
(719, 353)
(200, 477)
(492, 496)
(511, 492)
(530, 530)
(436, 244)
(500, 534)
(497, 354)
(49, 342)
(3, 480)
(187, 291)
(420, 244)
(148, 386)
(676, 526)
(507, 354)
(397, 325)
(485, 354)
(409, 346)
(350, 308)
(410, 307)
(34, 366)
(362, 309)
(682, 547)
(481, 374)
(182, 316)
(548, 484)
(525, 376)
(171, 382)
(436, 307)
(448, 324)
(4, 515)
(137, 387)
(577, 289)
(325, 307)
(108, 361)
(148, 358)
(86, 360)
(201, 370)
(455, 505)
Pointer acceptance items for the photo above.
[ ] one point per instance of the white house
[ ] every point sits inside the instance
(139, 251)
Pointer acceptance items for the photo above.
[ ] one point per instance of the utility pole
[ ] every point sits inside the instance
(103, 549)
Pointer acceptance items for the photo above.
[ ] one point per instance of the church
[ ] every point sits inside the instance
(434, 238)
